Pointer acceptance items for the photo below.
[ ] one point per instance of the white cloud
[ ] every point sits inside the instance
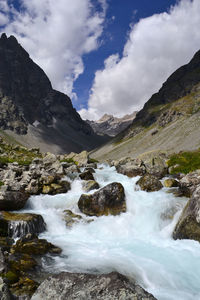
(3, 19)
(156, 47)
(57, 34)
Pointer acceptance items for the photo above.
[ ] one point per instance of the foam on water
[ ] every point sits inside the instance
(137, 243)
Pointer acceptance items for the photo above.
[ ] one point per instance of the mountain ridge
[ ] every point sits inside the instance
(32, 109)
(169, 120)
(110, 125)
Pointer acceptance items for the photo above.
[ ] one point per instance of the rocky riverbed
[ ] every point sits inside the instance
(65, 213)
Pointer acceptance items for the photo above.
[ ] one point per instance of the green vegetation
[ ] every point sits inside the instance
(15, 153)
(185, 162)
(67, 160)
(92, 160)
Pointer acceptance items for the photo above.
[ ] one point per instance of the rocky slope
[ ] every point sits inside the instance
(168, 121)
(32, 112)
(111, 125)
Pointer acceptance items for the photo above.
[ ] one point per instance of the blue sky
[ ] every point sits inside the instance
(109, 56)
(115, 34)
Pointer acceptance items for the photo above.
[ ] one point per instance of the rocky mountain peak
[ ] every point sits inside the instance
(27, 99)
(110, 125)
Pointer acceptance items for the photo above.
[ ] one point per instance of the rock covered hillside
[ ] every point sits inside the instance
(168, 121)
(111, 125)
(34, 113)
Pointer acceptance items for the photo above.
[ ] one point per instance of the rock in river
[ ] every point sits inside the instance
(113, 286)
(108, 200)
(188, 226)
(149, 183)
(12, 200)
(19, 224)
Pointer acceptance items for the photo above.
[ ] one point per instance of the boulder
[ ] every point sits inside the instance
(33, 246)
(188, 226)
(62, 186)
(24, 288)
(92, 165)
(4, 291)
(72, 172)
(6, 243)
(81, 158)
(149, 183)
(12, 200)
(189, 182)
(71, 218)
(90, 185)
(2, 262)
(171, 182)
(108, 200)
(87, 175)
(89, 169)
(71, 286)
(155, 163)
(21, 263)
(19, 224)
(130, 167)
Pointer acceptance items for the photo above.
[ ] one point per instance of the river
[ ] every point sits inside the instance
(137, 243)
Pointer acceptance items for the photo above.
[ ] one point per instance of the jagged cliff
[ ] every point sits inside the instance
(34, 113)
(169, 120)
(110, 125)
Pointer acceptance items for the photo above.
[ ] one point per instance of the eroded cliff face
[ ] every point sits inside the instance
(27, 99)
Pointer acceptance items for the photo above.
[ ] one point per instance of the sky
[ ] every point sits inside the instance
(109, 56)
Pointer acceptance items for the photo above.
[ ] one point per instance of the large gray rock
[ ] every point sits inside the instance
(90, 185)
(188, 226)
(131, 168)
(12, 200)
(4, 291)
(20, 224)
(2, 261)
(113, 286)
(108, 200)
(149, 183)
(189, 182)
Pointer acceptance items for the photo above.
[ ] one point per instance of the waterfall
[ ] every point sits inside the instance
(17, 229)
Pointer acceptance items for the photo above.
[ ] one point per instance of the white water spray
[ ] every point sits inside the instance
(137, 243)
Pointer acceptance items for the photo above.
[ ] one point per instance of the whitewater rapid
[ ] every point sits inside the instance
(137, 243)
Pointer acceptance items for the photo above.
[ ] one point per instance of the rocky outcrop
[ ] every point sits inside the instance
(29, 106)
(149, 183)
(88, 287)
(20, 224)
(188, 226)
(108, 200)
(111, 125)
(90, 185)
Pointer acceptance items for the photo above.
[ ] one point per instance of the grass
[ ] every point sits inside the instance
(16, 153)
(185, 162)
(92, 160)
